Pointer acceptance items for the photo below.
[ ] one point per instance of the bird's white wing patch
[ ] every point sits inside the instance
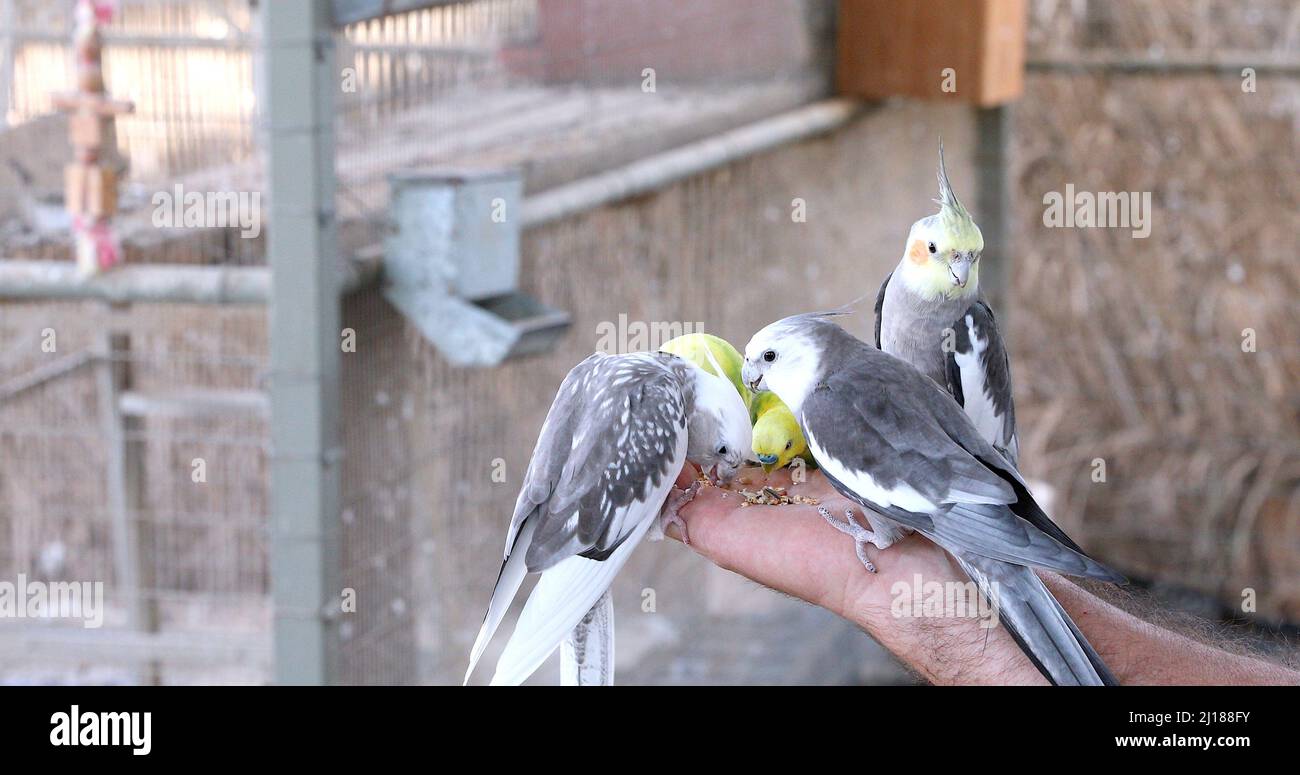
(902, 495)
(511, 578)
(978, 403)
(568, 590)
(562, 597)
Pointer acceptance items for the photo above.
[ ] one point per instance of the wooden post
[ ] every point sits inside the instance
(993, 206)
(125, 474)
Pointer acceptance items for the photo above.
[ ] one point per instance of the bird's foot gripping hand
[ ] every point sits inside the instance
(860, 535)
(670, 516)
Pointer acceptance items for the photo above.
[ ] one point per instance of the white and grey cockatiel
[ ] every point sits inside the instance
(930, 313)
(617, 434)
(891, 440)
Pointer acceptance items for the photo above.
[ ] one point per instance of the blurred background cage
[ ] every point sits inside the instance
(138, 450)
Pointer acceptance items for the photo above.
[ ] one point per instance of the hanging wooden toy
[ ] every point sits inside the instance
(90, 180)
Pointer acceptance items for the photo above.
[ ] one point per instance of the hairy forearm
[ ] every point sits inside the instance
(965, 650)
(942, 647)
(1139, 652)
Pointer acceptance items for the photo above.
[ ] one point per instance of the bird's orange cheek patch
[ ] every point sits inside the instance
(918, 254)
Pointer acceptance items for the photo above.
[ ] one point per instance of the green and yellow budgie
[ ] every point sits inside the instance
(777, 438)
(697, 348)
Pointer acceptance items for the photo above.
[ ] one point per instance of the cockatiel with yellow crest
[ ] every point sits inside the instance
(930, 313)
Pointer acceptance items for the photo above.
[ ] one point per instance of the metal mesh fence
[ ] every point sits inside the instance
(106, 428)
(134, 449)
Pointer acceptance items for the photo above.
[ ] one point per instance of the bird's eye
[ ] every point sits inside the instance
(933, 249)
(722, 450)
(788, 444)
(769, 356)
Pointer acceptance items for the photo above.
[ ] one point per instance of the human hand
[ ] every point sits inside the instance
(791, 549)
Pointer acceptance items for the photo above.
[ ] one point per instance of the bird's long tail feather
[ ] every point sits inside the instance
(1038, 623)
(562, 597)
(513, 571)
(587, 653)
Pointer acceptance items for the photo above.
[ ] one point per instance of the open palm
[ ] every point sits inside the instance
(790, 548)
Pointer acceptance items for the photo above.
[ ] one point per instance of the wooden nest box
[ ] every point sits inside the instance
(970, 51)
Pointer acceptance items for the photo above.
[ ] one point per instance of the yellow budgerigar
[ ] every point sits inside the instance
(697, 348)
(777, 438)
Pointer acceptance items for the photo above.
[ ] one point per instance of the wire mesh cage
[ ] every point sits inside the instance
(135, 458)
(135, 439)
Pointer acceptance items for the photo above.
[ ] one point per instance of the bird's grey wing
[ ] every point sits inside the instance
(876, 414)
(573, 584)
(621, 420)
(891, 439)
(551, 452)
(612, 442)
(562, 598)
(1038, 624)
(880, 307)
(979, 376)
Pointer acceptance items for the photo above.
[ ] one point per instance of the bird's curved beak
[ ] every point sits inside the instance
(960, 271)
(723, 473)
(751, 376)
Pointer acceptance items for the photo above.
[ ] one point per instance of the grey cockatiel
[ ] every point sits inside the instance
(930, 313)
(617, 434)
(893, 441)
